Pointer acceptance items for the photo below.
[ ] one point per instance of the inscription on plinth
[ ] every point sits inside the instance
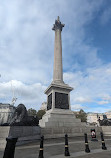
(61, 101)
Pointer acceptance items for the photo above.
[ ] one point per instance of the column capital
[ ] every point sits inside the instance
(58, 25)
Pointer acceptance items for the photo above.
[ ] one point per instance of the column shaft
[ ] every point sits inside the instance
(58, 70)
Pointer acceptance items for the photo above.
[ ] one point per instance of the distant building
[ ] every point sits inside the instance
(6, 111)
(108, 114)
(92, 118)
(44, 106)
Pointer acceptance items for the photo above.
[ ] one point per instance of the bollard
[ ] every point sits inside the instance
(41, 148)
(103, 142)
(66, 146)
(87, 150)
(10, 147)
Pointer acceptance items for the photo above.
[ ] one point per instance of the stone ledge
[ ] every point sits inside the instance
(58, 86)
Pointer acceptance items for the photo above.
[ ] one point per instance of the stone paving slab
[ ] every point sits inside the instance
(82, 154)
(97, 153)
(55, 149)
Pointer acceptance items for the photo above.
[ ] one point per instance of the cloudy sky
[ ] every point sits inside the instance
(27, 51)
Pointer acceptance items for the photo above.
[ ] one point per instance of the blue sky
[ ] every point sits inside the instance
(27, 49)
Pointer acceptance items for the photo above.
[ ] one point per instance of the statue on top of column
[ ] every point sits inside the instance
(58, 25)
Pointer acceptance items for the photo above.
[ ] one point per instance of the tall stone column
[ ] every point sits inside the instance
(58, 116)
(58, 69)
(58, 93)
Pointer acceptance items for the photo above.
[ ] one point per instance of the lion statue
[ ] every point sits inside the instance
(104, 122)
(21, 118)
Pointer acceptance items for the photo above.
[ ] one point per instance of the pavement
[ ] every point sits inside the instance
(54, 148)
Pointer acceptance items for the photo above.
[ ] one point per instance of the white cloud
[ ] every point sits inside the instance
(26, 34)
(90, 85)
(30, 95)
(106, 97)
(103, 102)
(82, 99)
(99, 110)
(78, 107)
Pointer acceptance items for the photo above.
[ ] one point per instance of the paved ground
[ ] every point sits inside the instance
(54, 148)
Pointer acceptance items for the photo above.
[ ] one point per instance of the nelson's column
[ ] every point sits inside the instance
(58, 93)
(59, 119)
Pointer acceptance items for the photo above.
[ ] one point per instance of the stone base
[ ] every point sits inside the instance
(59, 118)
(106, 130)
(72, 132)
(25, 134)
(56, 123)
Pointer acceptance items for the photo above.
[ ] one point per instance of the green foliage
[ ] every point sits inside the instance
(81, 115)
(32, 112)
(40, 113)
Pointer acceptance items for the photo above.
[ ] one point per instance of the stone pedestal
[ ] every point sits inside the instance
(59, 118)
(58, 96)
(25, 134)
(57, 123)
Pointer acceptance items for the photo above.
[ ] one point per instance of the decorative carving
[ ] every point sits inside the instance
(61, 101)
(58, 25)
(49, 102)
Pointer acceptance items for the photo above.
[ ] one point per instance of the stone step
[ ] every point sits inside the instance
(61, 124)
(57, 117)
(62, 116)
(71, 131)
(61, 119)
(72, 120)
(53, 119)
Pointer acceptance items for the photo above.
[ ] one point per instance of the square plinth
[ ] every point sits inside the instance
(58, 96)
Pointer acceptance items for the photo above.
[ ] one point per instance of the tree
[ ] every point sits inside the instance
(81, 115)
(32, 112)
(40, 113)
